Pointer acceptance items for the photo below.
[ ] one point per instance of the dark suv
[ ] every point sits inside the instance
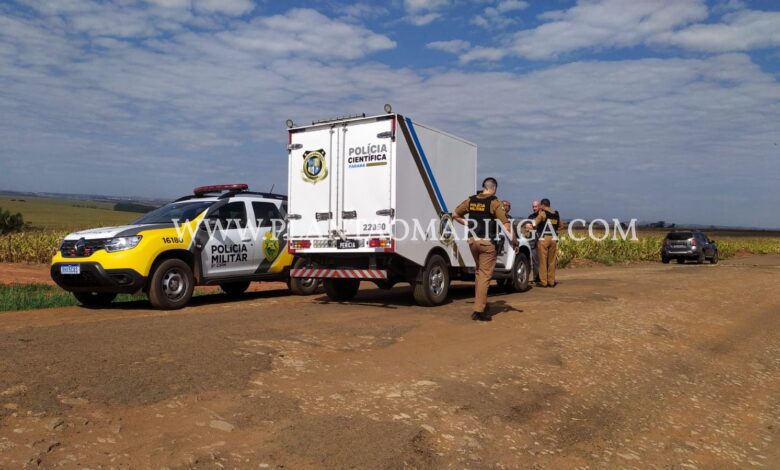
(689, 245)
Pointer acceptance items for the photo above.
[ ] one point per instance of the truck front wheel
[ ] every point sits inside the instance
(340, 290)
(171, 285)
(433, 282)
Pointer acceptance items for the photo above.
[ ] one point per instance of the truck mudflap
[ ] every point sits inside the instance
(320, 273)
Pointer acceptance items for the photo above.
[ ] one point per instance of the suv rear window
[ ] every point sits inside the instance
(680, 235)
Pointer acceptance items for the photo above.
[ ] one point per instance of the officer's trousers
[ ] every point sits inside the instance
(547, 249)
(534, 258)
(484, 252)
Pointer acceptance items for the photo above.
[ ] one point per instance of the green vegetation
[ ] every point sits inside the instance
(648, 247)
(30, 246)
(10, 222)
(15, 297)
(66, 214)
(133, 207)
(33, 296)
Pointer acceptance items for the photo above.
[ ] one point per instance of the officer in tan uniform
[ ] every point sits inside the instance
(484, 211)
(547, 222)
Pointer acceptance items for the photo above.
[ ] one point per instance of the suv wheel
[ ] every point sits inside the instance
(340, 290)
(171, 285)
(94, 299)
(714, 259)
(433, 282)
(665, 260)
(303, 285)
(519, 280)
(234, 288)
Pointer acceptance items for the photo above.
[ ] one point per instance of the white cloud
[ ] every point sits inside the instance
(604, 24)
(742, 30)
(453, 47)
(599, 138)
(477, 54)
(227, 7)
(496, 17)
(423, 12)
(305, 32)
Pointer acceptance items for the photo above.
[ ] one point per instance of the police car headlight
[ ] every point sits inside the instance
(122, 243)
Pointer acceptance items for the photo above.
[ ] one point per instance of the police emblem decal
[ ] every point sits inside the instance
(270, 246)
(314, 166)
(446, 229)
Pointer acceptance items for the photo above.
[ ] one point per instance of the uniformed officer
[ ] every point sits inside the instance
(484, 211)
(535, 208)
(547, 222)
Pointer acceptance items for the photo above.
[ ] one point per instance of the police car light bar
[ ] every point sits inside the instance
(215, 188)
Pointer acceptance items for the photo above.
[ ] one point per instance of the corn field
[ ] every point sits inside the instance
(38, 246)
(34, 246)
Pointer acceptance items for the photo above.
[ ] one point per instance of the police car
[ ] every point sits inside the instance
(220, 235)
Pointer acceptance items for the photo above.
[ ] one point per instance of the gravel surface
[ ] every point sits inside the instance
(641, 366)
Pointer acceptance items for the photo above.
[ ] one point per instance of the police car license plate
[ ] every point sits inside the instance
(70, 269)
(347, 244)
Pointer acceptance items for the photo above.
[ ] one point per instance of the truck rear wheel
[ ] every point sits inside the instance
(171, 285)
(518, 282)
(433, 282)
(94, 299)
(303, 285)
(234, 288)
(341, 289)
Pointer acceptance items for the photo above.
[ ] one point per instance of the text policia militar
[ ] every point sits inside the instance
(400, 229)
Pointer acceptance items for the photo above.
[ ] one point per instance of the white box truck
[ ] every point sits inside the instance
(370, 199)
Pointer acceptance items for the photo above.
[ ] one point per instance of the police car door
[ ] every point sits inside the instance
(365, 173)
(269, 237)
(230, 248)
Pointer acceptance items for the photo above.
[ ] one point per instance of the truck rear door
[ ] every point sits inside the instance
(312, 182)
(365, 179)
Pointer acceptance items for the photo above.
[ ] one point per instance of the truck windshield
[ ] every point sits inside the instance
(180, 211)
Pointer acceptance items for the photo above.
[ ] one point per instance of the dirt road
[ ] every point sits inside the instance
(646, 366)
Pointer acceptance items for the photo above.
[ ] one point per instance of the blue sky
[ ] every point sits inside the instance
(657, 109)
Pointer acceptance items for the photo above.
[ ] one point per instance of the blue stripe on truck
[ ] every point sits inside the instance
(426, 165)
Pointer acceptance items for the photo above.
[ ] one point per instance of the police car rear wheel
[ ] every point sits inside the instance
(433, 283)
(94, 299)
(234, 288)
(172, 285)
(341, 289)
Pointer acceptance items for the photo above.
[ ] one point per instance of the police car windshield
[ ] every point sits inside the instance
(180, 211)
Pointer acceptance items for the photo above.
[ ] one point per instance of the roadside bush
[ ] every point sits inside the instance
(10, 222)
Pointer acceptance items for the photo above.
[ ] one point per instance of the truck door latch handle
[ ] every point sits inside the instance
(294, 216)
(323, 215)
(349, 214)
(390, 212)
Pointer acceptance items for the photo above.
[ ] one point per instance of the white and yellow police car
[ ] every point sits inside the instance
(220, 235)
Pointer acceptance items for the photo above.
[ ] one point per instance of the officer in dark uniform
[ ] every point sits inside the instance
(485, 211)
(529, 233)
(547, 222)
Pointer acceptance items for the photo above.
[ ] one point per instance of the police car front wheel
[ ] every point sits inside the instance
(171, 285)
